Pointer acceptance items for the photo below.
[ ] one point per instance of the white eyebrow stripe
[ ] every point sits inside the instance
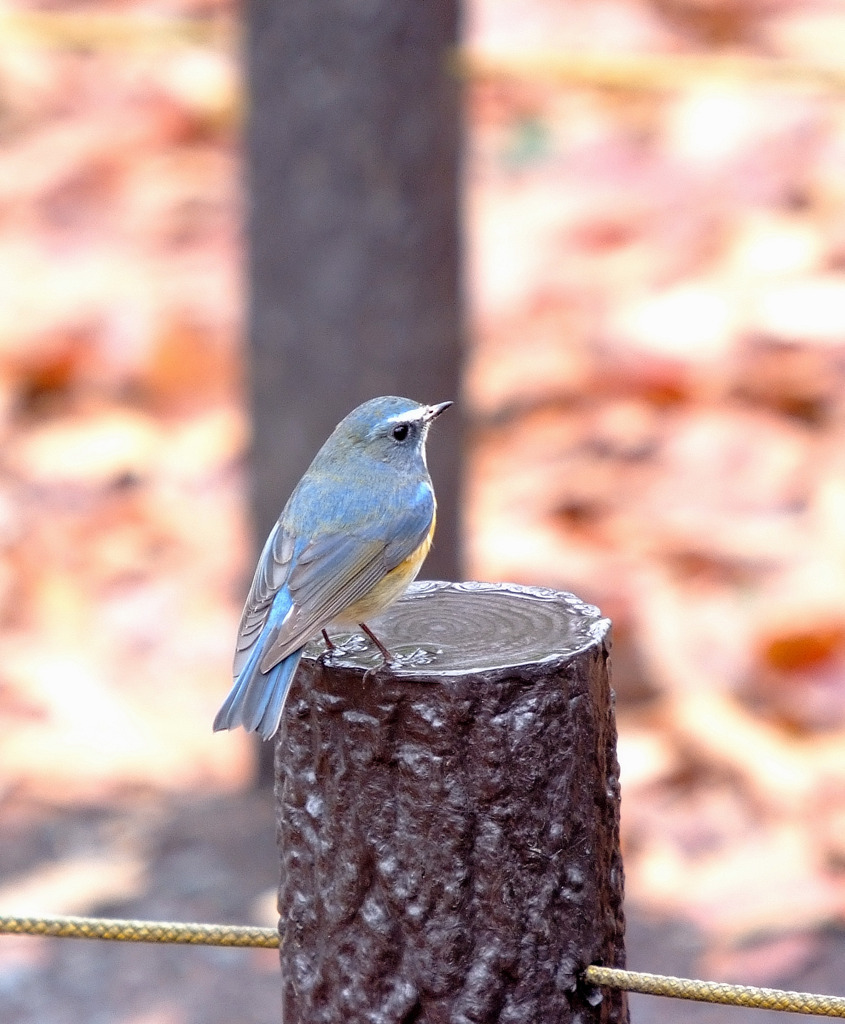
(407, 417)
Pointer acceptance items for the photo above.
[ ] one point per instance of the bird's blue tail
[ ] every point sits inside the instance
(257, 699)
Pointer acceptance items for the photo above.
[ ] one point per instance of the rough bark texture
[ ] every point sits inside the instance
(352, 160)
(449, 835)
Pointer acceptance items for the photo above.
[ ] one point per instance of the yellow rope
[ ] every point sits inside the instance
(142, 931)
(246, 936)
(649, 71)
(102, 30)
(717, 992)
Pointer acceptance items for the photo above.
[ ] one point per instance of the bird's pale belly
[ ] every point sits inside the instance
(390, 587)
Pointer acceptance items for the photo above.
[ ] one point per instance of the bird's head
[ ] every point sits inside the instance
(389, 429)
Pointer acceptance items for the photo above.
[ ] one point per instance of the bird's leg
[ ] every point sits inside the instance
(330, 648)
(385, 653)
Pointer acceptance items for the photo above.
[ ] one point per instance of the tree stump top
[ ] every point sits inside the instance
(441, 629)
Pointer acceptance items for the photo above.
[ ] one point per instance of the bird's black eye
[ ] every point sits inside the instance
(400, 432)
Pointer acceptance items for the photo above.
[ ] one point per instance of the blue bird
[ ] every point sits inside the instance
(351, 538)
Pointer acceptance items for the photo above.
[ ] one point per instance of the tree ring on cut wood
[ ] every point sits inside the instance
(473, 627)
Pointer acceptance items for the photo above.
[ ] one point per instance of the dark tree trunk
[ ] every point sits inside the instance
(352, 159)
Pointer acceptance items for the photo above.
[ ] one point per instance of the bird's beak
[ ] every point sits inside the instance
(433, 411)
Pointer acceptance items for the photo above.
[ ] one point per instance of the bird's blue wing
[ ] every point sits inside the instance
(274, 630)
(271, 573)
(335, 569)
(257, 697)
(302, 583)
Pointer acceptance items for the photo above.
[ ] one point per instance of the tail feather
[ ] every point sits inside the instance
(257, 699)
(280, 678)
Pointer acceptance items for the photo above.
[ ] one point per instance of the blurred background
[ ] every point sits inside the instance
(653, 215)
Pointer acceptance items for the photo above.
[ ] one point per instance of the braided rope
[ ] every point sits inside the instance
(87, 28)
(246, 936)
(142, 931)
(717, 992)
(632, 71)
(646, 71)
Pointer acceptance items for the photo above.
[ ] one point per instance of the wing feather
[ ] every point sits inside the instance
(324, 587)
(324, 576)
(274, 566)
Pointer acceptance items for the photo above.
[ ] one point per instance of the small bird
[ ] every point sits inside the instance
(351, 538)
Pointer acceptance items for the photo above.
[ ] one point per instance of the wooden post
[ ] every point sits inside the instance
(449, 826)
